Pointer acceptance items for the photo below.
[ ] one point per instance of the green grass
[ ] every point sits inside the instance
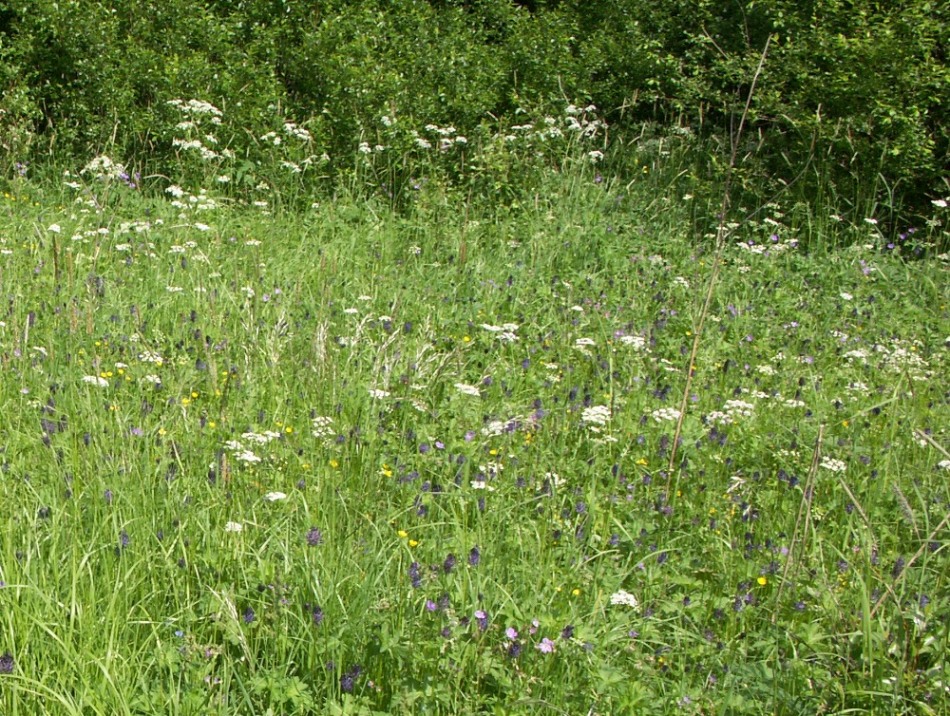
(444, 517)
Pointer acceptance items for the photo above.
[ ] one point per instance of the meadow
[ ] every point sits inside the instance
(266, 457)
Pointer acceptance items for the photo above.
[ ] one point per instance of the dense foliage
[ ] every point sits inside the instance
(853, 98)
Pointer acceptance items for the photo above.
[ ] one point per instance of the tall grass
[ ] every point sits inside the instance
(346, 459)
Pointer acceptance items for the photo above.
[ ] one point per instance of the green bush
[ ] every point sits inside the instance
(854, 93)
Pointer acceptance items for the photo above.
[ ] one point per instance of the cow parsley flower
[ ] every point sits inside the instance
(624, 598)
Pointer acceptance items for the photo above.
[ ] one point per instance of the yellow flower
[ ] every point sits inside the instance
(762, 581)
(413, 543)
(576, 592)
(402, 534)
(334, 464)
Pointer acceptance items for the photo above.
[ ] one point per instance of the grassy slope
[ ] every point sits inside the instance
(125, 591)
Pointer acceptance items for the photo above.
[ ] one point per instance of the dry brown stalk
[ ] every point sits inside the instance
(721, 234)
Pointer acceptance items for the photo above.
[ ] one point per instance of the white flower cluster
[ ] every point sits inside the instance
(506, 331)
(261, 438)
(638, 343)
(187, 201)
(624, 598)
(902, 357)
(467, 389)
(322, 427)
(584, 344)
(596, 415)
(102, 168)
(665, 414)
(739, 408)
(197, 107)
(583, 121)
(197, 145)
(833, 465)
(247, 456)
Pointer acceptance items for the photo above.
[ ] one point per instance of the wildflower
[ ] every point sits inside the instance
(898, 567)
(317, 615)
(275, 496)
(95, 380)
(7, 664)
(466, 389)
(314, 537)
(511, 633)
(833, 465)
(635, 342)
(248, 615)
(449, 564)
(474, 557)
(233, 527)
(596, 415)
(662, 414)
(481, 618)
(624, 598)
(546, 646)
(348, 680)
(414, 575)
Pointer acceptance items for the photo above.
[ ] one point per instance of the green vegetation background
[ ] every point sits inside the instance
(853, 100)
